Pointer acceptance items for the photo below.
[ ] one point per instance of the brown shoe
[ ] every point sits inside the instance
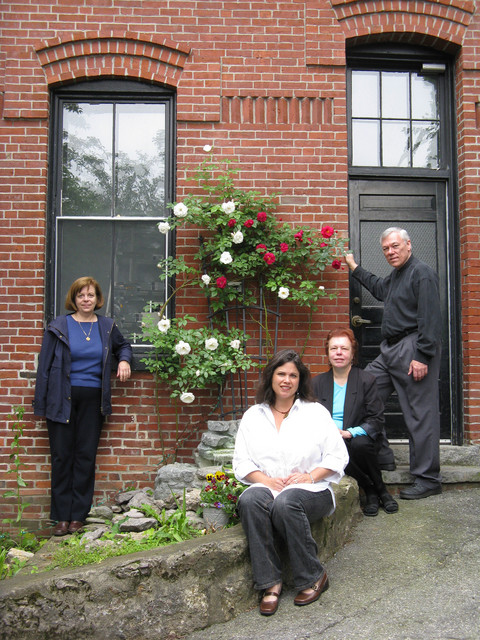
(61, 528)
(307, 596)
(268, 608)
(75, 527)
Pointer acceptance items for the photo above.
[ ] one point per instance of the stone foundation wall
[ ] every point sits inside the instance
(157, 594)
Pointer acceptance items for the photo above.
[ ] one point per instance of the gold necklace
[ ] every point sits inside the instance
(87, 335)
(284, 413)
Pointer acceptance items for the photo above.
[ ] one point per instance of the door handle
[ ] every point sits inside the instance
(357, 321)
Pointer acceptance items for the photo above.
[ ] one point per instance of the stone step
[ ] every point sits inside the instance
(450, 455)
(451, 474)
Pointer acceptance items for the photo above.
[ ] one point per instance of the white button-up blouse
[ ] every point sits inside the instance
(308, 438)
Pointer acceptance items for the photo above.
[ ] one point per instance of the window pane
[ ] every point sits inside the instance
(395, 95)
(140, 160)
(138, 248)
(127, 250)
(396, 144)
(87, 159)
(365, 94)
(424, 97)
(425, 144)
(366, 143)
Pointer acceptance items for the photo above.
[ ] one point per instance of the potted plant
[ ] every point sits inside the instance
(218, 499)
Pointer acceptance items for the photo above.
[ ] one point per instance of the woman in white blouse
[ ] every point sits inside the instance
(289, 450)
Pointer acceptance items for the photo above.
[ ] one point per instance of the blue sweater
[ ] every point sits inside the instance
(53, 386)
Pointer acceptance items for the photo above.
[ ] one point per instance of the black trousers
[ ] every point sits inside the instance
(363, 464)
(73, 449)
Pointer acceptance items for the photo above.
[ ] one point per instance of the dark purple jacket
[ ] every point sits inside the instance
(53, 388)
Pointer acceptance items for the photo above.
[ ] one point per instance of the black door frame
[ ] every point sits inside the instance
(396, 56)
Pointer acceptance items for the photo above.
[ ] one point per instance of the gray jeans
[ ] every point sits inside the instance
(288, 517)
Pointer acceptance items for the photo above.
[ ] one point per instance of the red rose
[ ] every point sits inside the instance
(323, 244)
(261, 247)
(336, 264)
(283, 247)
(269, 258)
(248, 223)
(261, 216)
(299, 236)
(327, 232)
(221, 282)
(232, 222)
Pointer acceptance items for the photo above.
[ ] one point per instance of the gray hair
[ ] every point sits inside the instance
(401, 232)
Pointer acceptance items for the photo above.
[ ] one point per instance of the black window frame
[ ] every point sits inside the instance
(120, 91)
(399, 57)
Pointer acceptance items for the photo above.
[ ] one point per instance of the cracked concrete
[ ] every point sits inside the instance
(413, 575)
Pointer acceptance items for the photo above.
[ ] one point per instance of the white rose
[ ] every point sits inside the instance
(228, 207)
(237, 237)
(182, 348)
(163, 227)
(211, 344)
(164, 325)
(283, 293)
(180, 210)
(321, 287)
(198, 373)
(206, 279)
(207, 148)
(187, 397)
(226, 258)
(235, 344)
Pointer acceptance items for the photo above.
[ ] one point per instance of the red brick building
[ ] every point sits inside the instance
(358, 114)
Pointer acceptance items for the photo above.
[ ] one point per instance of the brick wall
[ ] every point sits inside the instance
(262, 81)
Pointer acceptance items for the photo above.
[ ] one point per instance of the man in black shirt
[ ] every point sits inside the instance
(409, 360)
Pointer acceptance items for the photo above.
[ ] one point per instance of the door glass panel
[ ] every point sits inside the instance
(87, 159)
(396, 143)
(395, 95)
(140, 159)
(366, 94)
(366, 143)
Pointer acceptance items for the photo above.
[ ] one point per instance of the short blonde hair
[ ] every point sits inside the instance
(77, 286)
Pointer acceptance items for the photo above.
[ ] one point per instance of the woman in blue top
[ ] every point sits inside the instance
(72, 391)
(351, 396)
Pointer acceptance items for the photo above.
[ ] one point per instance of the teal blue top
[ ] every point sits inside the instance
(339, 394)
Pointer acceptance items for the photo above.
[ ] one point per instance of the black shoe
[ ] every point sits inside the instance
(371, 505)
(387, 466)
(417, 491)
(389, 504)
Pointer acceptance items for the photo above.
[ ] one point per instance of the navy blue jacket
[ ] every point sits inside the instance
(53, 387)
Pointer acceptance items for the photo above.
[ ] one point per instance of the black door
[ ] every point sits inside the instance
(420, 208)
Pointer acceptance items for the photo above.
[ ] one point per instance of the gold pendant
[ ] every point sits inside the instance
(88, 339)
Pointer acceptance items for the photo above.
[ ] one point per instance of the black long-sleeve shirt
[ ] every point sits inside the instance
(411, 302)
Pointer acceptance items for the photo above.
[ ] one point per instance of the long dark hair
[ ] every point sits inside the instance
(265, 392)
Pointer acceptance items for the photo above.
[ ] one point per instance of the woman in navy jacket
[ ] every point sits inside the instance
(73, 392)
(351, 396)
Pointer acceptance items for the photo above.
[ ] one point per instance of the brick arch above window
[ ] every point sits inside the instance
(444, 19)
(440, 23)
(131, 55)
(30, 72)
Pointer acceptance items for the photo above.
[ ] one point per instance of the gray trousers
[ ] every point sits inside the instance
(419, 402)
(267, 522)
